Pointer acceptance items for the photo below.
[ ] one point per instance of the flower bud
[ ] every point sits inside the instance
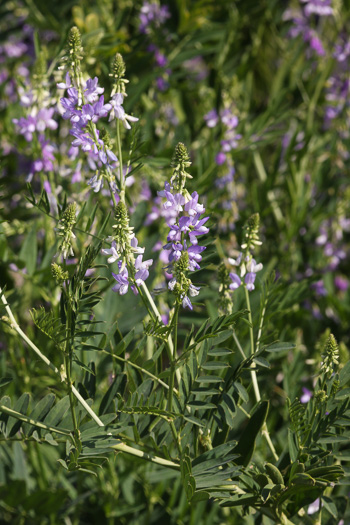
(58, 273)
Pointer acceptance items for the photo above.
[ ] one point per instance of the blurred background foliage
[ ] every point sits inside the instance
(290, 163)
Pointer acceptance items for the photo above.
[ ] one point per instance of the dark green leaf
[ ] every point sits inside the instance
(246, 444)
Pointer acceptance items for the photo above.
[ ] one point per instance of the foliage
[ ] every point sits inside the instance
(200, 386)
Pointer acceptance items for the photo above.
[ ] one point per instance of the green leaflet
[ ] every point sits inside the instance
(246, 445)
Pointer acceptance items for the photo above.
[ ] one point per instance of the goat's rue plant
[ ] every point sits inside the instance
(184, 399)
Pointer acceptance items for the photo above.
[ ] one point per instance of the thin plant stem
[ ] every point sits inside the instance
(252, 350)
(172, 360)
(264, 430)
(159, 317)
(120, 158)
(238, 344)
(122, 447)
(134, 365)
(261, 324)
(20, 332)
(68, 363)
(31, 421)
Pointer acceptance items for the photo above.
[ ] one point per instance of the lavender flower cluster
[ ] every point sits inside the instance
(185, 225)
(141, 272)
(84, 110)
(39, 119)
(302, 23)
(152, 16)
(230, 138)
(124, 247)
(338, 85)
(248, 269)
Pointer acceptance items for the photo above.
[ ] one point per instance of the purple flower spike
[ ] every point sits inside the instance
(186, 303)
(122, 285)
(220, 158)
(92, 91)
(212, 118)
(341, 283)
(249, 281)
(236, 281)
(306, 396)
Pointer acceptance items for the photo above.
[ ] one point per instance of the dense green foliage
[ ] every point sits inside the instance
(136, 408)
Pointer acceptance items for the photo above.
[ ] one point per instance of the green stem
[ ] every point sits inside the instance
(238, 344)
(20, 332)
(122, 447)
(31, 421)
(252, 351)
(68, 355)
(159, 317)
(120, 158)
(261, 324)
(134, 365)
(173, 360)
(264, 430)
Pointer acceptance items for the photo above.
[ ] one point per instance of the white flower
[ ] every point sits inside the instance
(171, 284)
(118, 111)
(112, 251)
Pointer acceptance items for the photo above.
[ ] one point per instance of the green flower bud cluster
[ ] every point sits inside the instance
(225, 302)
(58, 273)
(40, 69)
(321, 396)
(330, 356)
(106, 138)
(118, 74)
(180, 284)
(180, 162)
(75, 50)
(124, 243)
(65, 227)
(251, 235)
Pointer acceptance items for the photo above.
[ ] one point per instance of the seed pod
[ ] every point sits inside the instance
(274, 474)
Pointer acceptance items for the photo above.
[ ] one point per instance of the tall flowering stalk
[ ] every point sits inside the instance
(38, 119)
(185, 225)
(133, 271)
(247, 268)
(84, 106)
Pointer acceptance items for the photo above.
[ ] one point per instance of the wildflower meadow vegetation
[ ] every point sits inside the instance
(174, 239)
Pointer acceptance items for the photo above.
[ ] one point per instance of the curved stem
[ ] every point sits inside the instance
(20, 332)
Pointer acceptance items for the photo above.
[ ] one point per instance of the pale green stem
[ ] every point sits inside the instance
(134, 365)
(122, 447)
(238, 345)
(252, 351)
(264, 431)
(261, 323)
(20, 332)
(39, 424)
(172, 361)
(159, 317)
(68, 362)
(120, 158)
